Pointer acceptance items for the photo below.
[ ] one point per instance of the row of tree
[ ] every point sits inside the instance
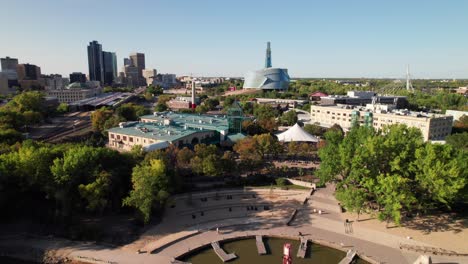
(105, 118)
(393, 171)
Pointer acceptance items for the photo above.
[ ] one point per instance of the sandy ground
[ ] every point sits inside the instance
(443, 231)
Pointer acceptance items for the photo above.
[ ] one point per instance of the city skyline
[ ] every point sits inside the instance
(338, 39)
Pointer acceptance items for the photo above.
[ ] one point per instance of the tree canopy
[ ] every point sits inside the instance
(392, 169)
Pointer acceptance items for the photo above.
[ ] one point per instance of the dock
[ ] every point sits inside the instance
(301, 252)
(260, 245)
(350, 255)
(179, 262)
(221, 253)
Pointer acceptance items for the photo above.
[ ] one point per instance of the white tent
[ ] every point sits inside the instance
(296, 133)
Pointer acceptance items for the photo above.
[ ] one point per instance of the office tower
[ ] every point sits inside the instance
(54, 82)
(268, 56)
(28, 72)
(149, 75)
(131, 76)
(110, 67)
(127, 62)
(96, 71)
(29, 77)
(138, 60)
(9, 68)
(9, 64)
(77, 77)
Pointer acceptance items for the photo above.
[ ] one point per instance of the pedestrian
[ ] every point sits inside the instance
(346, 225)
(217, 230)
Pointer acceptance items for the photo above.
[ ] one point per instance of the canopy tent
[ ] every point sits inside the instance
(296, 133)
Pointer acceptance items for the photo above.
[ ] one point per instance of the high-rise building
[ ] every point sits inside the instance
(127, 62)
(28, 72)
(77, 77)
(138, 60)
(150, 75)
(9, 69)
(131, 76)
(29, 77)
(54, 82)
(8, 63)
(95, 63)
(110, 67)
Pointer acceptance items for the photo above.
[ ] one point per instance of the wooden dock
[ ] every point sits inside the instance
(260, 245)
(221, 253)
(350, 255)
(301, 252)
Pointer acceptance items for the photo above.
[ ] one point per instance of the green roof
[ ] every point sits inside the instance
(194, 121)
(156, 131)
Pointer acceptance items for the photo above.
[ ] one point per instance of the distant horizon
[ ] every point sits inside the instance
(209, 38)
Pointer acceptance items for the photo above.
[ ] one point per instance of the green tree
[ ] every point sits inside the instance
(160, 107)
(394, 195)
(314, 129)
(289, 118)
(99, 118)
(459, 141)
(62, 108)
(150, 187)
(330, 165)
(441, 172)
(96, 193)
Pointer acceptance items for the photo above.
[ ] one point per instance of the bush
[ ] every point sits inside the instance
(281, 182)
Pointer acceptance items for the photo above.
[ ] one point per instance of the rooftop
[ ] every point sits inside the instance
(399, 112)
(156, 131)
(208, 122)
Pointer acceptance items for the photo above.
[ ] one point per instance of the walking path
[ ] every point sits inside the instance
(172, 238)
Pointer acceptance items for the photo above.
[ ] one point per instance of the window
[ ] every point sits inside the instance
(112, 135)
(118, 136)
(124, 138)
(130, 139)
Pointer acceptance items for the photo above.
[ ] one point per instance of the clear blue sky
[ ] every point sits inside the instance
(312, 38)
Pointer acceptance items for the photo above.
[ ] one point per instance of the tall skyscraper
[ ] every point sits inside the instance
(268, 56)
(138, 60)
(110, 67)
(77, 77)
(9, 66)
(95, 62)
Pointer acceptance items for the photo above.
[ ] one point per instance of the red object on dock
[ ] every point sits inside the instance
(287, 254)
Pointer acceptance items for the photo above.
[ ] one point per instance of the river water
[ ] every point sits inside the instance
(246, 251)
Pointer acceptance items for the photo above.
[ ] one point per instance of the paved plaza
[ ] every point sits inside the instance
(196, 220)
